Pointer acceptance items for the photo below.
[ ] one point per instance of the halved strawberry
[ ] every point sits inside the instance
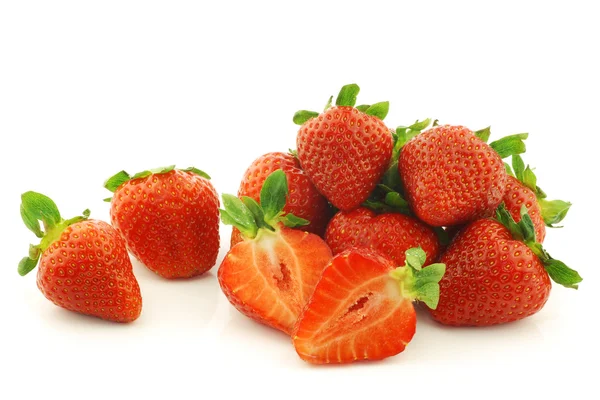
(362, 307)
(270, 275)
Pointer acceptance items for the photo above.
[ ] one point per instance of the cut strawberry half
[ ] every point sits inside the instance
(362, 308)
(270, 275)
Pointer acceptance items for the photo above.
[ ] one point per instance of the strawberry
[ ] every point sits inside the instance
(497, 273)
(270, 275)
(344, 150)
(391, 234)
(362, 308)
(84, 265)
(304, 201)
(522, 190)
(451, 176)
(169, 219)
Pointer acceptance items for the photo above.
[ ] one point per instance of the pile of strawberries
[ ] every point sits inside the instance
(332, 243)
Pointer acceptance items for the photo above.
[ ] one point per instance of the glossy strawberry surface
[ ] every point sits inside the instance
(88, 270)
(170, 222)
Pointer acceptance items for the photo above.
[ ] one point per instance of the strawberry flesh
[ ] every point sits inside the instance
(357, 312)
(271, 277)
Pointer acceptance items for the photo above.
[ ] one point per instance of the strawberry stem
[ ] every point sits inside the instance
(553, 211)
(416, 282)
(36, 207)
(250, 217)
(115, 181)
(524, 231)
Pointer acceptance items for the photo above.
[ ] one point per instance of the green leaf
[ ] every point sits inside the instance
(391, 177)
(40, 207)
(347, 96)
(526, 225)
(504, 217)
(436, 122)
(292, 221)
(273, 194)
(420, 125)
(147, 173)
(293, 152)
(31, 222)
(562, 274)
(376, 206)
(519, 166)
(510, 145)
(113, 183)
(239, 216)
(509, 170)
(363, 107)
(256, 211)
(427, 285)
(34, 252)
(553, 211)
(415, 258)
(529, 179)
(304, 115)
(197, 172)
(379, 110)
(26, 265)
(328, 105)
(484, 134)
(395, 199)
(540, 194)
(107, 200)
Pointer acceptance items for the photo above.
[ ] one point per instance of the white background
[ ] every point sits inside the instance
(90, 88)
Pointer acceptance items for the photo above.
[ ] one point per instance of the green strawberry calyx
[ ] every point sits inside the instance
(121, 177)
(388, 195)
(250, 216)
(553, 211)
(507, 146)
(524, 231)
(36, 208)
(346, 98)
(417, 282)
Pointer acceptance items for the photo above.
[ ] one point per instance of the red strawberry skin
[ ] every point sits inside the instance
(88, 270)
(271, 277)
(355, 313)
(451, 176)
(170, 222)
(390, 234)
(304, 200)
(490, 278)
(345, 152)
(518, 195)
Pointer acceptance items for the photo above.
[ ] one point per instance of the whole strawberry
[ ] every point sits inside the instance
(451, 176)
(304, 200)
(345, 150)
(270, 275)
(83, 263)
(497, 273)
(169, 219)
(362, 307)
(522, 190)
(391, 234)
